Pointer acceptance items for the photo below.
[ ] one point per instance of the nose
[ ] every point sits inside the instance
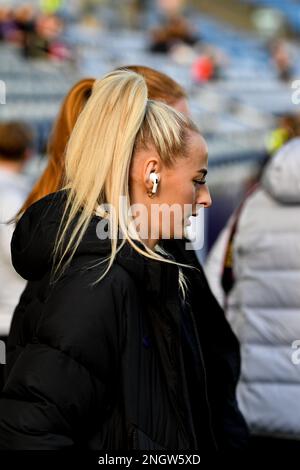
(203, 197)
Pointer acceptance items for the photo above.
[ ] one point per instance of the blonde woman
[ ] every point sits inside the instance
(105, 365)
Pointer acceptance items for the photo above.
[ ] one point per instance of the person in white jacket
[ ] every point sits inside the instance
(15, 149)
(263, 304)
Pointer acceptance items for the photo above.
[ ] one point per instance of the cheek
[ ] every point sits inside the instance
(188, 194)
(179, 192)
(183, 194)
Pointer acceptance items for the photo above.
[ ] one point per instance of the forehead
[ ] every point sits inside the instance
(197, 151)
(195, 158)
(197, 142)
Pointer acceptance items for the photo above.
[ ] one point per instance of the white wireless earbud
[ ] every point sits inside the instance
(155, 180)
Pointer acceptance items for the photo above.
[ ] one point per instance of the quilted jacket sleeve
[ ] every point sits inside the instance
(63, 378)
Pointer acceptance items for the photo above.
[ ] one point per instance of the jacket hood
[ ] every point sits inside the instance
(35, 235)
(281, 178)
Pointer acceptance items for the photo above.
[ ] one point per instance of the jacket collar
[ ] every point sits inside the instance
(160, 278)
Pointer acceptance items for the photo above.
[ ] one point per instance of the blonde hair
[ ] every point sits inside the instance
(117, 120)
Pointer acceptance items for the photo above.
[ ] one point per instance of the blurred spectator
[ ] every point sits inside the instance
(204, 69)
(37, 34)
(209, 63)
(282, 60)
(288, 127)
(24, 18)
(8, 28)
(25, 21)
(15, 149)
(254, 272)
(43, 41)
(175, 30)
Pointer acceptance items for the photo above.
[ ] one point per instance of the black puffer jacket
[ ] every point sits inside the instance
(100, 366)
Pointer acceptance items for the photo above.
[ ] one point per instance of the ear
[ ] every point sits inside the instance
(151, 165)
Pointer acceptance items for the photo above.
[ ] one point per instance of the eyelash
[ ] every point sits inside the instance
(199, 182)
